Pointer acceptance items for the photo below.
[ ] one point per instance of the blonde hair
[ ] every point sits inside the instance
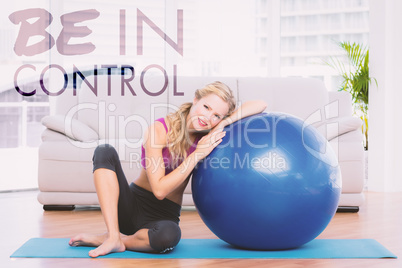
(178, 137)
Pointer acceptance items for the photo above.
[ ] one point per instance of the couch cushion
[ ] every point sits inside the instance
(286, 95)
(254, 88)
(71, 127)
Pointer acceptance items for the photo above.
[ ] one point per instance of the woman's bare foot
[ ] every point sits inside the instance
(110, 245)
(88, 240)
(103, 242)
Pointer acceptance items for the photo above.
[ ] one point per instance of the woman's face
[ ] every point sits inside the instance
(207, 112)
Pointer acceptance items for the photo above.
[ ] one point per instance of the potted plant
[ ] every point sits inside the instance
(356, 80)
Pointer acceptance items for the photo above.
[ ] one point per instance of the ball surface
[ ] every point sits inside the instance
(273, 183)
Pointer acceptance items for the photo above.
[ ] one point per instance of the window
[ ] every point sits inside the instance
(20, 116)
(320, 27)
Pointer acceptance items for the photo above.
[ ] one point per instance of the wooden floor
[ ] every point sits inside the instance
(23, 218)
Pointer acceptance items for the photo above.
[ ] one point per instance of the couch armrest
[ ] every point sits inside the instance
(337, 126)
(70, 127)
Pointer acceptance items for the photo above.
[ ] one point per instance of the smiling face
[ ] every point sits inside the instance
(207, 112)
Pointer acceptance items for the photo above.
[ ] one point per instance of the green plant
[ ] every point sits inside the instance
(356, 79)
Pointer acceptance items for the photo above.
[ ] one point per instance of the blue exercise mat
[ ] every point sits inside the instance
(214, 249)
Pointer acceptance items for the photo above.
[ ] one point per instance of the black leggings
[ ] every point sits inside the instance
(139, 208)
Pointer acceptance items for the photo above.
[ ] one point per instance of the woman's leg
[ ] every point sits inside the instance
(107, 189)
(162, 236)
(114, 197)
(138, 241)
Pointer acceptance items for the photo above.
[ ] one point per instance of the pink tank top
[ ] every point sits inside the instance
(167, 159)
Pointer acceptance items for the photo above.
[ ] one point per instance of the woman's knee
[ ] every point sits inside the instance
(104, 149)
(104, 156)
(164, 236)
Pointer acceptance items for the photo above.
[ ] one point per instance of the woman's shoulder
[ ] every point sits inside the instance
(159, 124)
(162, 121)
(157, 131)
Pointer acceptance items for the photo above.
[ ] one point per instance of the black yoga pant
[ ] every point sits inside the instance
(139, 208)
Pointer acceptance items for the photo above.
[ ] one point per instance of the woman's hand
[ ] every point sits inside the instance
(246, 109)
(220, 126)
(208, 142)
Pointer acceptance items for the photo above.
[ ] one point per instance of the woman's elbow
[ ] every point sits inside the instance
(160, 197)
(262, 105)
(160, 194)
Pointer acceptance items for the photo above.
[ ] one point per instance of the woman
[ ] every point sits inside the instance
(144, 215)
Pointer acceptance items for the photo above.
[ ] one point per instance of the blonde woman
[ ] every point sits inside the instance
(144, 216)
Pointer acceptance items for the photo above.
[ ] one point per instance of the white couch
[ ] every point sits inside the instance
(79, 123)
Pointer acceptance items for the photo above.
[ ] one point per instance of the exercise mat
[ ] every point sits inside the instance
(214, 249)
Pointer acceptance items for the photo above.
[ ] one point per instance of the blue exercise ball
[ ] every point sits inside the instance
(273, 183)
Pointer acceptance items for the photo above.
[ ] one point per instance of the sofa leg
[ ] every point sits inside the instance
(352, 209)
(58, 207)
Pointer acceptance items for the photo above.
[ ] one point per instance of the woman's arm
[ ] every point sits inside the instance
(162, 184)
(246, 109)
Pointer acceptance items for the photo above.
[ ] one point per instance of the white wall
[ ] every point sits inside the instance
(385, 125)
